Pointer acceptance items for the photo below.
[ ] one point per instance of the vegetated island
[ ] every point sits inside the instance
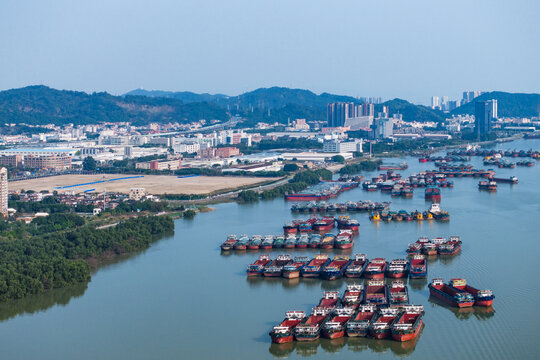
(55, 251)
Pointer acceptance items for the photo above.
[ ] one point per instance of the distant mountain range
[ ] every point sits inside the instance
(508, 104)
(38, 105)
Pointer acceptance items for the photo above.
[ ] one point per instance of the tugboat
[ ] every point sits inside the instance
(267, 243)
(408, 324)
(358, 325)
(433, 193)
(344, 240)
(328, 241)
(241, 244)
(336, 268)
(376, 293)
(375, 269)
(357, 266)
(346, 223)
(353, 296)
(310, 328)
(313, 268)
(398, 295)
(437, 213)
(398, 268)
(275, 267)
(330, 300)
(334, 327)
(481, 297)
(229, 243)
(418, 267)
(283, 333)
(450, 295)
(380, 327)
(256, 269)
(292, 271)
(490, 185)
(314, 241)
(324, 224)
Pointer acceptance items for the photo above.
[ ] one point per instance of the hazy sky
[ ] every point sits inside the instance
(391, 48)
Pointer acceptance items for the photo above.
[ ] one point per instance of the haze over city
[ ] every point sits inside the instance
(406, 49)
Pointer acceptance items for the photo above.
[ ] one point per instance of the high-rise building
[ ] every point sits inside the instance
(493, 103)
(435, 102)
(4, 192)
(483, 116)
(337, 113)
(382, 128)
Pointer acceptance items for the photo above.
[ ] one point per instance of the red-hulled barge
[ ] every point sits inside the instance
(283, 333)
(375, 269)
(358, 325)
(481, 297)
(334, 327)
(408, 324)
(256, 269)
(380, 327)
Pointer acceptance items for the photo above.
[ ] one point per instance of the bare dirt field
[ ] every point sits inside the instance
(153, 184)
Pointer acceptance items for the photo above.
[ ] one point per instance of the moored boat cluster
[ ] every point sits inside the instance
(322, 266)
(354, 315)
(433, 213)
(435, 246)
(349, 206)
(343, 240)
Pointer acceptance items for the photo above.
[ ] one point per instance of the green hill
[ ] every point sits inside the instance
(37, 105)
(508, 104)
(412, 112)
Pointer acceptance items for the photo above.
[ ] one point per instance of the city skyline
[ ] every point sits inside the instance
(116, 48)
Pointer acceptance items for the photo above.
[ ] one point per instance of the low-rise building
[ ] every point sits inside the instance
(136, 193)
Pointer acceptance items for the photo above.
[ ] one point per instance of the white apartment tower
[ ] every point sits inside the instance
(4, 192)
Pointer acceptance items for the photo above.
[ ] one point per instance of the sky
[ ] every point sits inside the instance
(411, 49)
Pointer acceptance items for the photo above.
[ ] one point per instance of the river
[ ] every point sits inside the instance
(183, 299)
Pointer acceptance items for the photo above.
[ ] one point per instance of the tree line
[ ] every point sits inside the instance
(32, 264)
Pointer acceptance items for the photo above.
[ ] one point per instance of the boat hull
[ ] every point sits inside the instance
(282, 339)
(442, 296)
(291, 274)
(408, 336)
(333, 334)
(380, 334)
(377, 275)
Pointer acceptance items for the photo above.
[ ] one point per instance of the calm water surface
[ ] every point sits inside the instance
(183, 299)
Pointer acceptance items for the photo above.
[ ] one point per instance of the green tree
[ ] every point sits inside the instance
(89, 164)
(290, 167)
(248, 196)
(338, 158)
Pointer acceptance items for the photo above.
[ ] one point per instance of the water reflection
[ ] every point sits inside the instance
(41, 302)
(479, 312)
(356, 344)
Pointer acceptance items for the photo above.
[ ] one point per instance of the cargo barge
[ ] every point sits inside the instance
(256, 269)
(359, 324)
(335, 269)
(357, 266)
(408, 324)
(481, 297)
(376, 293)
(283, 333)
(334, 326)
(292, 270)
(450, 295)
(380, 327)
